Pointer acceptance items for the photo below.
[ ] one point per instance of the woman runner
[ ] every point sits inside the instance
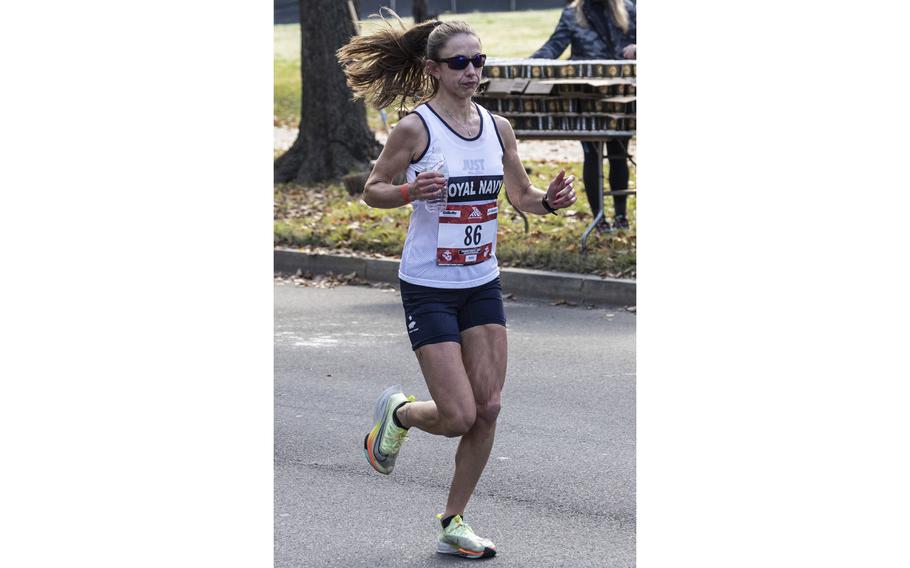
(449, 274)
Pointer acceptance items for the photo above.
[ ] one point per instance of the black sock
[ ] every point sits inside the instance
(395, 415)
(447, 520)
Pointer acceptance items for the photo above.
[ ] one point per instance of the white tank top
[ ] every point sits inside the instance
(457, 247)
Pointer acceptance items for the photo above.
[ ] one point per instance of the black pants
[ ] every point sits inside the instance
(619, 174)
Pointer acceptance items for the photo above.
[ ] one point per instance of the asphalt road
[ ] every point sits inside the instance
(559, 489)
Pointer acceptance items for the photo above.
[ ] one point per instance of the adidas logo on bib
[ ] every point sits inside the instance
(475, 212)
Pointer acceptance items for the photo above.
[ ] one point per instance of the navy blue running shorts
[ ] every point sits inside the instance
(434, 315)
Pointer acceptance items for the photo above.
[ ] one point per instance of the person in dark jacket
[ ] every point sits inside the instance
(598, 29)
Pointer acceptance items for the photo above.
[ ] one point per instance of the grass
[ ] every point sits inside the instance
(327, 217)
(504, 34)
(287, 91)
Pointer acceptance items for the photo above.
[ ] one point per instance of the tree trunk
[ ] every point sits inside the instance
(419, 11)
(334, 138)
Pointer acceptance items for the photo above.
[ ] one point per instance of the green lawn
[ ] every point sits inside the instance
(504, 34)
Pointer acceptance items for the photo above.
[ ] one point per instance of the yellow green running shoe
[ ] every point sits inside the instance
(383, 442)
(459, 539)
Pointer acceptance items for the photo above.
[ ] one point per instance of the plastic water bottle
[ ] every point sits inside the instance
(438, 164)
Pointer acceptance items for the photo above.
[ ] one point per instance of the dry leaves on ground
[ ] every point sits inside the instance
(327, 280)
(296, 202)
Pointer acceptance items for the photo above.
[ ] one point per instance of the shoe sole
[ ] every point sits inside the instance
(378, 416)
(445, 548)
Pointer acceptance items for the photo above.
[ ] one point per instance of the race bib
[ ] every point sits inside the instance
(466, 234)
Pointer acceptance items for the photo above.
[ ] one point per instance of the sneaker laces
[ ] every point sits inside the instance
(395, 439)
(395, 435)
(461, 528)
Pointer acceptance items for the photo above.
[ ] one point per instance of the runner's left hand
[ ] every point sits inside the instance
(560, 193)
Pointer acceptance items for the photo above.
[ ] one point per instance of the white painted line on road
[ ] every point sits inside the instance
(317, 342)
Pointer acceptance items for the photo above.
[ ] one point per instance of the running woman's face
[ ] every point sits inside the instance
(463, 82)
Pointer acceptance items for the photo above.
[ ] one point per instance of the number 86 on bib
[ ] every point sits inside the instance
(467, 234)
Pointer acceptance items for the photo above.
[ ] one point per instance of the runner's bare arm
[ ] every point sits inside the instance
(522, 194)
(406, 142)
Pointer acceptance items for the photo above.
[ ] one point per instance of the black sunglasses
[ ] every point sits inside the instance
(459, 62)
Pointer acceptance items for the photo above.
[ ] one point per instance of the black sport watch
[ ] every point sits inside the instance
(547, 205)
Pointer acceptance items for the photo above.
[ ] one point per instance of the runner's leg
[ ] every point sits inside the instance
(452, 411)
(485, 353)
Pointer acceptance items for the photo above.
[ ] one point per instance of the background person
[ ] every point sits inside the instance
(598, 29)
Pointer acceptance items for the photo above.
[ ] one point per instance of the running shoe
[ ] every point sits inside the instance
(620, 222)
(459, 539)
(382, 443)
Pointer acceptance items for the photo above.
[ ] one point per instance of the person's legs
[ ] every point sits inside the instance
(592, 172)
(485, 353)
(619, 174)
(481, 367)
(465, 381)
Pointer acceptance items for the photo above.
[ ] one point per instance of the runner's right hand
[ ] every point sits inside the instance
(428, 185)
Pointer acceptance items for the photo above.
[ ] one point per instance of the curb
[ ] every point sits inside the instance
(524, 282)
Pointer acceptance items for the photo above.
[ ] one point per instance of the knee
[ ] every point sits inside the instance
(488, 411)
(458, 423)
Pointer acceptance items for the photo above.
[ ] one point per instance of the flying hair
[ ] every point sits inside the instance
(389, 64)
